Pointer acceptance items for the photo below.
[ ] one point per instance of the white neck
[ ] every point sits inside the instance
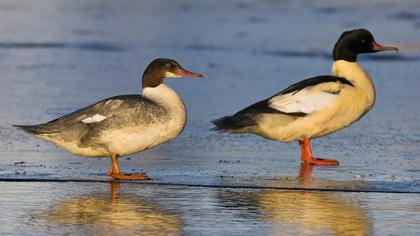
(164, 96)
(172, 122)
(353, 72)
(349, 70)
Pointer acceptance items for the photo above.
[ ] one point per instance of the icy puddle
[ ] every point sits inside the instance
(74, 208)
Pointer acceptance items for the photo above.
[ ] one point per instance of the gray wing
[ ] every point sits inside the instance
(130, 111)
(115, 112)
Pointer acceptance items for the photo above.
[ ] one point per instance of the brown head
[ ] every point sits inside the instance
(162, 68)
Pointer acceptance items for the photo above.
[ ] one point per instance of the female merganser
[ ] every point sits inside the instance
(317, 106)
(112, 213)
(124, 124)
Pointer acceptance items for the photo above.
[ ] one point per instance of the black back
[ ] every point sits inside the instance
(312, 82)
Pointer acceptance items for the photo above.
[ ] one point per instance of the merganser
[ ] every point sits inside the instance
(316, 106)
(124, 124)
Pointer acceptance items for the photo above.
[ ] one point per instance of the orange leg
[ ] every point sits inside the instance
(307, 157)
(115, 174)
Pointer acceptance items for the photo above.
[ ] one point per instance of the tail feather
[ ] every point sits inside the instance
(224, 123)
(233, 124)
(36, 129)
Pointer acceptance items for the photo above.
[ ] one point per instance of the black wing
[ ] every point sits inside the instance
(312, 82)
(247, 116)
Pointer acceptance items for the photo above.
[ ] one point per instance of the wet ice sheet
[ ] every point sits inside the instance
(127, 209)
(304, 180)
(247, 50)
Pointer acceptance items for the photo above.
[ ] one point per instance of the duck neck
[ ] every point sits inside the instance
(151, 79)
(164, 96)
(353, 72)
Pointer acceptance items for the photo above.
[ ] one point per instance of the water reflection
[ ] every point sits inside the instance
(302, 212)
(112, 213)
(314, 212)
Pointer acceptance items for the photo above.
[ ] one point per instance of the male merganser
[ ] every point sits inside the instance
(124, 124)
(317, 106)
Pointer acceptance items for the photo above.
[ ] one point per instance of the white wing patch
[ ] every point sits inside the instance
(94, 119)
(305, 101)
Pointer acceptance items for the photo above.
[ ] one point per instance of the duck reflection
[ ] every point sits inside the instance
(114, 213)
(302, 212)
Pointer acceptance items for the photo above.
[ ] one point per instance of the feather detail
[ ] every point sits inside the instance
(94, 119)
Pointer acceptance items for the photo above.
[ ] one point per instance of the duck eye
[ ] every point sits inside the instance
(170, 66)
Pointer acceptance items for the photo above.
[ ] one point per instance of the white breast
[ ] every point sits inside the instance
(361, 81)
(352, 103)
(131, 140)
(167, 98)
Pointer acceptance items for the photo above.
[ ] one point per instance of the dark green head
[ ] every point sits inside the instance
(354, 42)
